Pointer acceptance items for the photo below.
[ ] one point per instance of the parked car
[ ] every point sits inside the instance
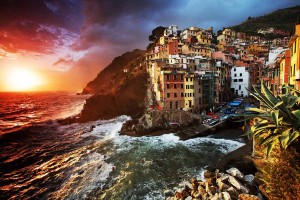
(230, 111)
(213, 122)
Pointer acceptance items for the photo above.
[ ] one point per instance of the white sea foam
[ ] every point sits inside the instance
(90, 172)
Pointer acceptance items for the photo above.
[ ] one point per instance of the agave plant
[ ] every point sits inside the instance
(277, 120)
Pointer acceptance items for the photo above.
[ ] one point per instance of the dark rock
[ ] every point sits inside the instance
(158, 122)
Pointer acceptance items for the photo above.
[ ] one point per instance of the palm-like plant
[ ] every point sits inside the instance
(278, 119)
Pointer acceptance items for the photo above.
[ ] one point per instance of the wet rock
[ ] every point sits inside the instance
(215, 197)
(226, 196)
(179, 194)
(168, 193)
(218, 186)
(235, 172)
(195, 183)
(170, 198)
(221, 185)
(237, 185)
(249, 178)
(233, 193)
(248, 197)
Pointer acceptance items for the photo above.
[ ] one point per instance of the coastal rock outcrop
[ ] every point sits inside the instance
(120, 89)
(158, 121)
(217, 186)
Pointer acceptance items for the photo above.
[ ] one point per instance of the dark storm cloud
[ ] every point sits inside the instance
(34, 25)
(124, 25)
(121, 22)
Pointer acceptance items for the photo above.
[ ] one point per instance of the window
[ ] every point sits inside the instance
(181, 77)
(176, 104)
(191, 79)
(294, 70)
(181, 86)
(234, 80)
(234, 69)
(175, 85)
(171, 105)
(175, 94)
(240, 80)
(186, 87)
(168, 77)
(186, 79)
(182, 94)
(199, 90)
(168, 85)
(241, 74)
(234, 75)
(168, 95)
(240, 87)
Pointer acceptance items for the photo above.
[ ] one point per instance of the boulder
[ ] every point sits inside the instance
(249, 179)
(237, 185)
(248, 197)
(168, 193)
(235, 172)
(226, 196)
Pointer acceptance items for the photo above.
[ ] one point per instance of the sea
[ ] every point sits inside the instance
(42, 159)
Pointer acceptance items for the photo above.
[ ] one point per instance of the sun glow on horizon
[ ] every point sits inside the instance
(19, 79)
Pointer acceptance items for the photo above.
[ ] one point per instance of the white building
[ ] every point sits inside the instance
(240, 81)
(171, 30)
(273, 54)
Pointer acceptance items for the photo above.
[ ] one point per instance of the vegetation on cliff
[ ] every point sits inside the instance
(276, 131)
(282, 19)
(120, 89)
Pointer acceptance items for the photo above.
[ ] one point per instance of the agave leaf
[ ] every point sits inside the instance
(293, 136)
(259, 96)
(249, 132)
(268, 94)
(266, 127)
(297, 114)
(284, 138)
(256, 110)
(278, 104)
(265, 141)
(259, 132)
(271, 146)
(274, 115)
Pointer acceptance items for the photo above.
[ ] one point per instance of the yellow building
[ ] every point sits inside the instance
(294, 46)
(189, 91)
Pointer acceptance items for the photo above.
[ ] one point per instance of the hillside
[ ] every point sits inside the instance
(120, 89)
(282, 19)
(112, 77)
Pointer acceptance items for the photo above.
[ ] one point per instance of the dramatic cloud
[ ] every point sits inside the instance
(38, 26)
(78, 38)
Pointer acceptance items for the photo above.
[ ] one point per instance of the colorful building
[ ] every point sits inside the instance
(294, 46)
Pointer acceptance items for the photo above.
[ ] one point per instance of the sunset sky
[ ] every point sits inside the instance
(63, 44)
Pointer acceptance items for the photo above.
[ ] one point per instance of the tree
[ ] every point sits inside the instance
(156, 33)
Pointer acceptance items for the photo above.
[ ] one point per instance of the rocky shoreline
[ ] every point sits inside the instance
(224, 179)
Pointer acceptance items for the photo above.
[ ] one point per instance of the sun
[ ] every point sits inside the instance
(22, 80)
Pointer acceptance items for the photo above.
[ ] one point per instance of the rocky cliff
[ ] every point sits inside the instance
(120, 89)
